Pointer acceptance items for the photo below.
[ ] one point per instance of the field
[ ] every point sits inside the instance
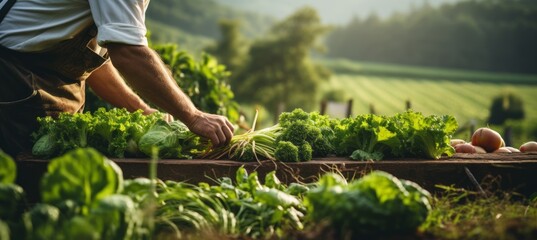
(464, 94)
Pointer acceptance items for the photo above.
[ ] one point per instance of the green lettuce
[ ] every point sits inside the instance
(424, 136)
(113, 132)
(8, 168)
(82, 175)
(42, 222)
(368, 133)
(375, 204)
(115, 217)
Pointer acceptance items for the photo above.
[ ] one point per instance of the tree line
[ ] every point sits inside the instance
(489, 35)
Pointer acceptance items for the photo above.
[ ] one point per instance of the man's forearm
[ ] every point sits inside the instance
(108, 85)
(146, 73)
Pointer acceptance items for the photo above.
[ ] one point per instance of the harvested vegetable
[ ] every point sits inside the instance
(528, 147)
(479, 149)
(286, 152)
(301, 128)
(502, 150)
(488, 139)
(424, 136)
(173, 140)
(465, 148)
(512, 149)
(253, 145)
(454, 142)
(114, 132)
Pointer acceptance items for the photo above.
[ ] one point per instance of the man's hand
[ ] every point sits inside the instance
(145, 72)
(214, 127)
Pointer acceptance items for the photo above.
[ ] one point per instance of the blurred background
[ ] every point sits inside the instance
(473, 59)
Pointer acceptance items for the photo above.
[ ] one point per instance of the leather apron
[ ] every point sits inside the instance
(43, 84)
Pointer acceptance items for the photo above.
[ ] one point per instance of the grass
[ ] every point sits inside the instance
(343, 66)
(463, 214)
(466, 95)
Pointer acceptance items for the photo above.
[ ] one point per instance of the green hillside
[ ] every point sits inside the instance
(343, 66)
(163, 33)
(465, 95)
(191, 23)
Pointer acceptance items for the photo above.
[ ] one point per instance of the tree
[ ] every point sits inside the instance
(506, 106)
(280, 71)
(232, 48)
(491, 35)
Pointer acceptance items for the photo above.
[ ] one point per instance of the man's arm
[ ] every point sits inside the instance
(146, 73)
(108, 84)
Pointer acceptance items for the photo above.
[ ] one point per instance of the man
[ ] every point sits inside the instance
(50, 49)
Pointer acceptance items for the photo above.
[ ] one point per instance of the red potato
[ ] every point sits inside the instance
(512, 149)
(465, 148)
(530, 146)
(488, 139)
(455, 142)
(502, 150)
(479, 150)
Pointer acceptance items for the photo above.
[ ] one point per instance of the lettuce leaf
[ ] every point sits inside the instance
(375, 204)
(82, 175)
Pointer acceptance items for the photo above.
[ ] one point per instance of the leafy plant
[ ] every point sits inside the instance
(424, 136)
(8, 169)
(56, 136)
(115, 132)
(408, 134)
(42, 222)
(376, 204)
(115, 217)
(173, 140)
(311, 133)
(206, 82)
(82, 175)
(369, 133)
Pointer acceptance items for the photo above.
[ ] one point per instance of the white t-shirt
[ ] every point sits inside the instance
(36, 25)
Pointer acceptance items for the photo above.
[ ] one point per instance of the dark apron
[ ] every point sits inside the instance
(43, 84)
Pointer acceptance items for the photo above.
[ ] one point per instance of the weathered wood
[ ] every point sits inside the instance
(515, 171)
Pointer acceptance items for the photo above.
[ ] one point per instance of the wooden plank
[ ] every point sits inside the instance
(515, 171)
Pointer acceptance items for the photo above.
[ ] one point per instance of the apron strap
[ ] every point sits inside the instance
(5, 6)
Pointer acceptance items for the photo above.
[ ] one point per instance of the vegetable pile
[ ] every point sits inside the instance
(84, 196)
(301, 136)
(298, 136)
(116, 133)
(487, 140)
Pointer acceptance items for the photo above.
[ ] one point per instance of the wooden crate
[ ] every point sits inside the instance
(514, 171)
